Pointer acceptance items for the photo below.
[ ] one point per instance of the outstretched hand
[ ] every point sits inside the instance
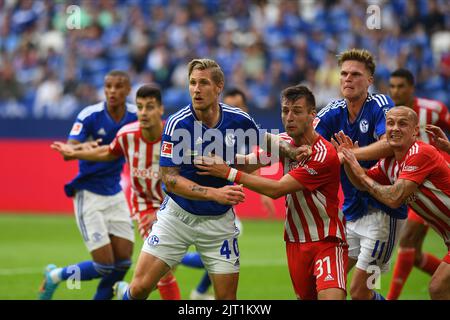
(230, 195)
(211, 166)
(440, 139)
(350, 160)
(65, 149)
(342, 142)
(303, 152)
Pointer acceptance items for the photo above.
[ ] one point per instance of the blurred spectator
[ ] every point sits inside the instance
(262, 45)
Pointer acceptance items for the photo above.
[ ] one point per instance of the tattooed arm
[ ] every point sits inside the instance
(175, 183)
(393, 196)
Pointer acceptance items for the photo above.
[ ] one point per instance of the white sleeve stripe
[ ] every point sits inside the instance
(377, 99)
(232, 110)
(86, 112)
(170, 123)
(174, 124)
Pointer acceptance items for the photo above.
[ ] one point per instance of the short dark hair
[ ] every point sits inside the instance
(149, 91)
(405, 74)
(235, 92)
(294, 93)
(119, 73)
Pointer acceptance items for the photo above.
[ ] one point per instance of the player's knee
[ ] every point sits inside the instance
(438, 290)
(139, 290)
(407, 239)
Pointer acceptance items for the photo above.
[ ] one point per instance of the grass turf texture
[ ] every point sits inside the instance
(29, 242)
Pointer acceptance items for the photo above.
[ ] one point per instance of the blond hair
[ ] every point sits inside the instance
(361, 55)
(207, 64)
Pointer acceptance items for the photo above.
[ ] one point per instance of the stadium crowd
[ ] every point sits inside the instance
(53, 56)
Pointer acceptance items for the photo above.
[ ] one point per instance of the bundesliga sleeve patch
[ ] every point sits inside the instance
(167, 149)
(76, 129)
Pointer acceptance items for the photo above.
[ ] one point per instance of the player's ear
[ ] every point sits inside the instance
(161, 109)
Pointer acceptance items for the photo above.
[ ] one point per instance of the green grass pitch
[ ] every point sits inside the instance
(29, 242)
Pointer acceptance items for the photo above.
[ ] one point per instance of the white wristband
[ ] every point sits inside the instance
(232, 175)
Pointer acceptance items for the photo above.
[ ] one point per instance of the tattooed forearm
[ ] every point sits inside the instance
(199, 189)
(171, 181)
(389, 195)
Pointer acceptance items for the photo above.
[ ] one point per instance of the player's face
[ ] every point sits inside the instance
(236, 101)
(203, 90)
(296, 117)
(149, 112)
(116, 89)
(400, 128)
(400, 91)
(355, 80)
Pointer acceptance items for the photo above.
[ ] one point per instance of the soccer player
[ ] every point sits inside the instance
(372, 227)
(401, 89)
(140, 144)
(316, 248)
(197, 210)
(417, 174)
(101, 210)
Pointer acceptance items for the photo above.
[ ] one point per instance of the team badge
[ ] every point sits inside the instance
(153, 240)
(76, 129)
(230, 139)
(364, 126)
(167, 149)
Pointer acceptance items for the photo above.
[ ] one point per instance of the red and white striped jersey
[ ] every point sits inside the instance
(431, 112)
(313, 214)
(424, 165)
(143, 159)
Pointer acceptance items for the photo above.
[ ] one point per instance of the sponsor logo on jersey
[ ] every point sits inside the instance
(311, 171)
(364, 126)
(410, 168)
(101, 132)
(145, 173)
(237, 263)
(76, 129)
(167, 149)
(153, 240)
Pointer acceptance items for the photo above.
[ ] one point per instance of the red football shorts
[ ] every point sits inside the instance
(315, 266)
(412, 215)
(447, 258)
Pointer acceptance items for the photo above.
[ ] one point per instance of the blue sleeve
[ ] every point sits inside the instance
(323, 124)
(80, 130)
(380, 115)
(173, 145)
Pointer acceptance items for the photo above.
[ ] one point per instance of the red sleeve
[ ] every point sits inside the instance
(115, 148)
(418, 166)
(317, 173)
(377, 173)
(444, 118)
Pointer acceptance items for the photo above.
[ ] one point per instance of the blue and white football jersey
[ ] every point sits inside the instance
(94, 122)
(185, 137)
(369, 125)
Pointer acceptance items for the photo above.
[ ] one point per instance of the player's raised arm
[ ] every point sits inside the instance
(175, 183)
(272, 188)
(83, 152)
(391, 195)
(440, 139)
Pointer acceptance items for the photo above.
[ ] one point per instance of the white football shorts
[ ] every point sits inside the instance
(99, 216)
(371, 239)
(214, 237)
